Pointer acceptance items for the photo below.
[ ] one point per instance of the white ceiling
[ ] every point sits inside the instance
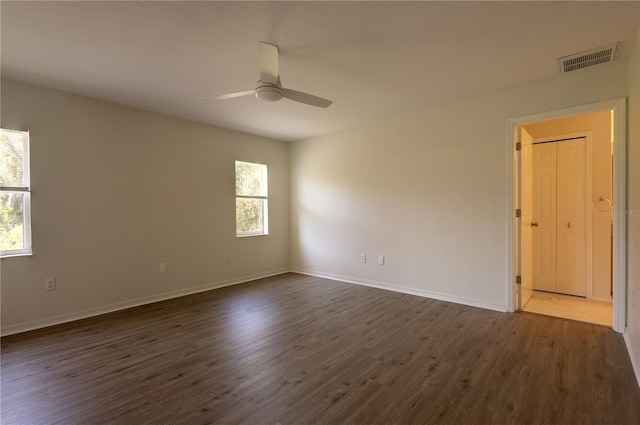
(373, 59)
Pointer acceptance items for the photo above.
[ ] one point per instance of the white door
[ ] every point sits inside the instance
(559, 217)
(544, 217)
(571, 218)
(526, 206)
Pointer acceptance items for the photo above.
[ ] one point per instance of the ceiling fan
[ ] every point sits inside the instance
(269, 86)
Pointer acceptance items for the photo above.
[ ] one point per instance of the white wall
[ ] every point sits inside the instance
(598, 124)
(632, 336)
(427, 189)
(115, 192)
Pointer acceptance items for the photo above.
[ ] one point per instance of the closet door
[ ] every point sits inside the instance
(571, 218)
(544, 217)
(559, 217)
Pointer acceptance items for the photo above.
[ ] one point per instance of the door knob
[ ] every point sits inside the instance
(534, 224)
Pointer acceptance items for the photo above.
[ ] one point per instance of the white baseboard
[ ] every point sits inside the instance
(603, 300)
(83, 314)
(634, 354)
(406, 290)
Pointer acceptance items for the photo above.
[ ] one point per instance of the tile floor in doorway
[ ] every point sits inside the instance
(568, 307)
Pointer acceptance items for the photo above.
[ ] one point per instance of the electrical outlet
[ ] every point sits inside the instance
(381, 260)
(227, 259)
(162, 268)
(363, 258)
(50, 285)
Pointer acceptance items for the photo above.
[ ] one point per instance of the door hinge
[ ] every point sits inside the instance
(518, 213)
(518, 280)
(518, 146)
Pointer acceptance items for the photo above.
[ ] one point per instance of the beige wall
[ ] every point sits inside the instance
(116, 191)
(599, 125)
(428, 190)
(633, 206)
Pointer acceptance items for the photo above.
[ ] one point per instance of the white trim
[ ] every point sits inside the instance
(84, 314)
(603, 300)
(513, 248)
(618, 106)
(633, 354)
(589, 210)
(620, 222)
(27, 243)
(23, 137)
(519, 257)
(405, 290)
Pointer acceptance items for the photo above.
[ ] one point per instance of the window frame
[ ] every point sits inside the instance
(263, 198)
(25, 191)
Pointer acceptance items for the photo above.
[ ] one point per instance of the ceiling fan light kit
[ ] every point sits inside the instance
(268, 92)
(269, 86)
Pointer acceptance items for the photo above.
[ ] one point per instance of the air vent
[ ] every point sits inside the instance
(588, 58)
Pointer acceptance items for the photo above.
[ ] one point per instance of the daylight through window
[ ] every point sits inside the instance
(251, 199)
(15, 194)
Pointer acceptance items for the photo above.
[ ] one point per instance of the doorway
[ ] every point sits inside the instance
(612, 263)
(571, 247)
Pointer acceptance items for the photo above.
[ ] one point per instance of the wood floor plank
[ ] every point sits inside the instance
(296, 349)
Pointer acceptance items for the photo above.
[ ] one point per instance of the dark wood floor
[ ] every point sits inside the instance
(299, 350)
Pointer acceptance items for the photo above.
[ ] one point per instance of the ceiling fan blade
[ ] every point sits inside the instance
(268, 56)
(309, 99)
(235, 94)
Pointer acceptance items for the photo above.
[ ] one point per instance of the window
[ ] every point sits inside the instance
(15, 195)
(251, 199)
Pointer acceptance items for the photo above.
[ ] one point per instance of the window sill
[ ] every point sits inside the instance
(249, 235)
(16, 254)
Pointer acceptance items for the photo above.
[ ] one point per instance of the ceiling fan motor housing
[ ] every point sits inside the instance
(269, 87)
(268, 92)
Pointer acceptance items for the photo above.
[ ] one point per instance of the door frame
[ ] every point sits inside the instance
(522, 201)
(619, 264)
